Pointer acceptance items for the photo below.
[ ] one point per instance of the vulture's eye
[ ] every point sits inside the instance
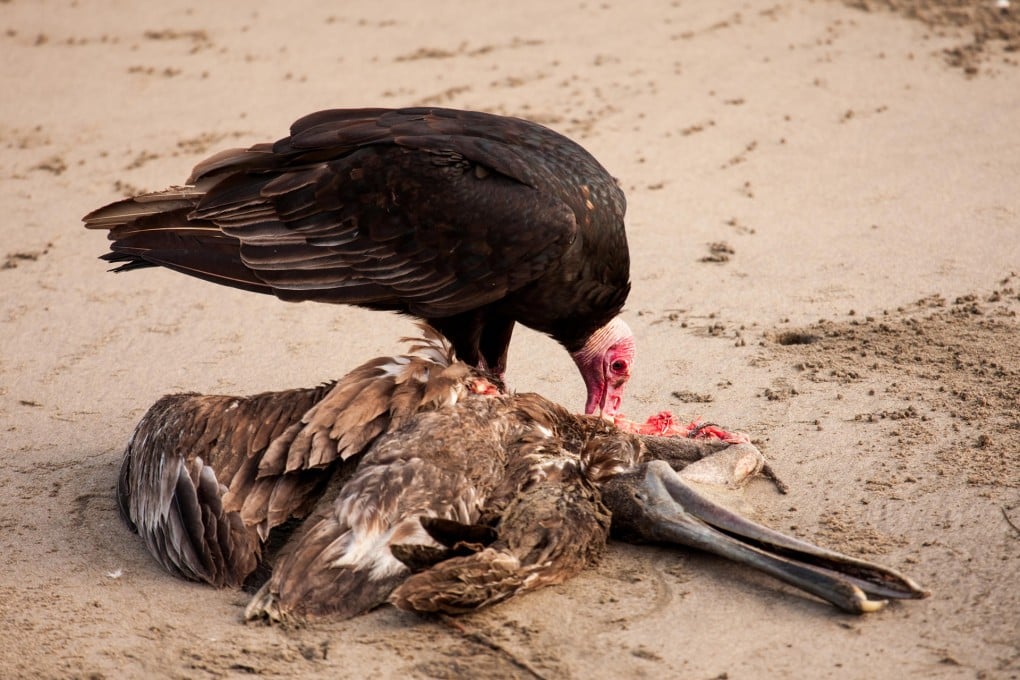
(619, 366)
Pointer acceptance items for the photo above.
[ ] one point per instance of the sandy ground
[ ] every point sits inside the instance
(824, 216)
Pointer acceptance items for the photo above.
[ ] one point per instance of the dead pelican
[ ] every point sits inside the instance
(461, 497)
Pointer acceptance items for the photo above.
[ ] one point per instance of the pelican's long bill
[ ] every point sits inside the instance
(655, 505)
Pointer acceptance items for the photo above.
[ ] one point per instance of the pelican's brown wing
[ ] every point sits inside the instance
(380, 395)
(187, 451)
(205, 478)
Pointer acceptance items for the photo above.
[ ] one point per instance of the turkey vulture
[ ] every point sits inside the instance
(422, 484)
(471, 221)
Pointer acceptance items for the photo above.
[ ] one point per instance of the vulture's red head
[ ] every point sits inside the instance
(605, 363)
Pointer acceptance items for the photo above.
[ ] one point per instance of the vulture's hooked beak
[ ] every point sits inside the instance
(653, 504)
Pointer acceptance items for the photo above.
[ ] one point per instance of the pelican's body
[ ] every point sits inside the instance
(462, 496)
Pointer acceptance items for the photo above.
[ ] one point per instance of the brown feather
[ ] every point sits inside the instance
(206, 478)
(547, 534)
(173, 487)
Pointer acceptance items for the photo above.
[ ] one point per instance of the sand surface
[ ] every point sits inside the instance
(824, 218)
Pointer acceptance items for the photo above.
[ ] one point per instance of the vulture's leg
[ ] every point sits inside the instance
(481, 338)
(653, 504)
(464, 331)
(495, 345)
(546, 535)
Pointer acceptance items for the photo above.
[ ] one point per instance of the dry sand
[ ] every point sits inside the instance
(825, 225)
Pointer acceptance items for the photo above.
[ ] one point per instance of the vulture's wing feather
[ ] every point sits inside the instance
(433, 212)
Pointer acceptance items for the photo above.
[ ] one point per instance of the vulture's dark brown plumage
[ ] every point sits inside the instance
(423, 485)
(469, 220)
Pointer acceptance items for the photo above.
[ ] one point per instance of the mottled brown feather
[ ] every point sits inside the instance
(441, 463)
(547, 533)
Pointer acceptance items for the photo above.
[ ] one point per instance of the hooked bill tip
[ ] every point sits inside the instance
(868, 606)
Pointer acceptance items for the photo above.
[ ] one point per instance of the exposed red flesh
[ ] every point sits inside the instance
(665, 424)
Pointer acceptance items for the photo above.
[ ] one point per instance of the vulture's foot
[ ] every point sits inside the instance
(655, 504)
